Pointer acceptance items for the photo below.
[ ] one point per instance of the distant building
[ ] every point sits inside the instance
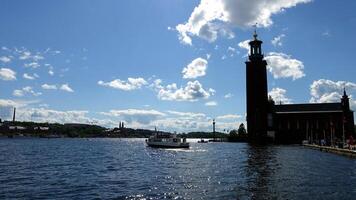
(17, 128)
(290, 123)
(41, 128)
(121, 125)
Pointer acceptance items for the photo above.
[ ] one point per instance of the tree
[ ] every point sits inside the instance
(242, 130)
(233, 134)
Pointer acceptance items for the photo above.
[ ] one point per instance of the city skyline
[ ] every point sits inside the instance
(175, 65)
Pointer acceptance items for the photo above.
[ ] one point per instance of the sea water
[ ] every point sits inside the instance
(128, 169)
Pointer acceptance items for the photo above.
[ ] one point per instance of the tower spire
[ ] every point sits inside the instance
(255, 47)
(345, 101)
(255, 32)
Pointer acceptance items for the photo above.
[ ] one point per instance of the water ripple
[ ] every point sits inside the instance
(127, 169)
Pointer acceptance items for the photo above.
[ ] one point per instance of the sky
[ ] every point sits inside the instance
(175, 65)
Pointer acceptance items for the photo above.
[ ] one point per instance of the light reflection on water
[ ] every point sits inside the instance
(127, 169)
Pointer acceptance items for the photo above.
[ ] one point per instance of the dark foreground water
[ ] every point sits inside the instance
(127, 169)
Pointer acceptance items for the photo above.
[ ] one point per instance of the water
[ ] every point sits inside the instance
(127, 169)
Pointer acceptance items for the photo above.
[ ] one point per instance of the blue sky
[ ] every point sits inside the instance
(172, 64)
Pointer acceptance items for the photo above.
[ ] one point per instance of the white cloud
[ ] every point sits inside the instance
(5, 48)
(24, 91)
(56, 52)
(200, 22)
(130, 84)
(15, 103)
(133, 118)
(6, 106)
(18, 93)
(326, 33)
(228, 95)
(37, 57)
(135, 115)
(212, 91)
(29, 77)
(51, 72)
(178, 124)
(232, 51)
(24, 113)
(8, 103)
(193, 91)
(327, 91)
(332, 97)
(49, 87)
(25, 55)
(188, 121)
(211, 18)
(7, 74)
(50, 69)
(229, 117)
(191, 125)
(33, 65)
(5, 59)
(29, 90)
(283, 66)
(157, 84)
(245, 45)
(195, 69)
(65, 87)
(187, 115)
(53, 116)
(211, 103)
(277, 41)
(279, 96)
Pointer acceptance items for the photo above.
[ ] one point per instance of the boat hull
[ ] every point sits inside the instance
(168, 145)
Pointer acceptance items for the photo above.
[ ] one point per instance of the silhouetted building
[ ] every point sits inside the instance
(256, 88)
(121, 125)
(291, 123)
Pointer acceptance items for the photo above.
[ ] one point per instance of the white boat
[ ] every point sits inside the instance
(161, 140)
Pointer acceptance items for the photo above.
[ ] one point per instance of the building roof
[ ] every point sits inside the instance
(309, 108)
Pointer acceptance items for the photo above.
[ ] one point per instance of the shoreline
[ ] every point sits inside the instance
(338, 151)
